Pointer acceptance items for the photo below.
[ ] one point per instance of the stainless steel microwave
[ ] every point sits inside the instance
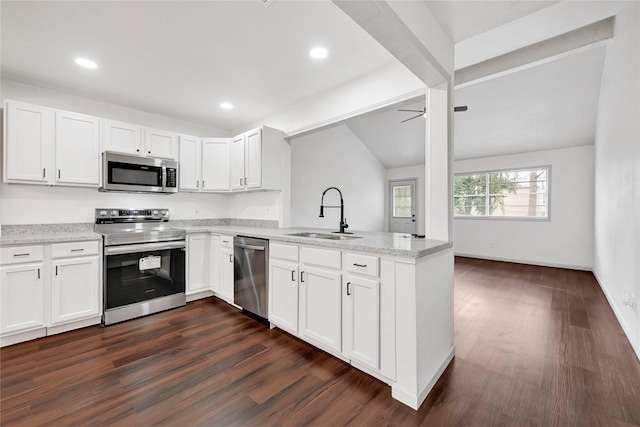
(121, 172)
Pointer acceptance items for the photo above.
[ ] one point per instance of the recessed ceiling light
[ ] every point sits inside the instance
(318, 52)
(87, 63)
(226, 106)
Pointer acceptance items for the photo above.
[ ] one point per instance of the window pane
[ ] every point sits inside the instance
(402, 201)
(470, 195)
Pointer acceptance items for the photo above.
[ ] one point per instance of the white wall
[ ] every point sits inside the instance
(409, 172)
(335, 157)
(617, 176)
(566, 240)
(35, 204)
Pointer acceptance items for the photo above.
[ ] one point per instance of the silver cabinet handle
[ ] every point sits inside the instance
(38, 273)
(17, 255)
(44, 172)
(77, 250)
(230, 258)
(301, 277)
(293, 275)
(197, 183)
(245, 181)
(203, 183)
(241, 181)
(359, 265)
(58, 173)
(348, 291)
(56, 270)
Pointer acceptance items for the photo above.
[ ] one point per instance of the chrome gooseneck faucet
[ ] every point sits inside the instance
(343, 220)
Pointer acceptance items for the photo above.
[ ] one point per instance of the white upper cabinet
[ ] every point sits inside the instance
(122, 137)
(160, 143)
(128, 138)
(204, 164)
(47, 146)
(215, 164)
(189, 152)
(237, 162)
(28, 142)
(258, 160)
(77, 149)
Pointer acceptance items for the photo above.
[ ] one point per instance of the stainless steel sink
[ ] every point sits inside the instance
(324, 236)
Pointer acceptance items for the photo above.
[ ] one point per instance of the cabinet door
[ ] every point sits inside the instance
(226, 274)
(253, 158)
(77, 149)
(160, 143)
(189, 151)
(75, 289)
(237, 163)
(362, 320)
(22, 303)
(28, 143)
(283, 295)
(215, 164)
(122, 137)
(321, 307)
(197, 263)
(214, 262)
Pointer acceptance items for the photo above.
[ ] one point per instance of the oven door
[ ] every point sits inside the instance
(142, 272)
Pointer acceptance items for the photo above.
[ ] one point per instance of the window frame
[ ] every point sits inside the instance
(487, 173)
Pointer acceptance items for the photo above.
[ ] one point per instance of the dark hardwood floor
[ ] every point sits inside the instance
(535, 346)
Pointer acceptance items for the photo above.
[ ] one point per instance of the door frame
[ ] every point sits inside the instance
(414, 205)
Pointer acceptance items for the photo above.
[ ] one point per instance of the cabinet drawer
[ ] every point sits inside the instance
(226, 241)
(362, 264)
(20, 254)
(321, 257)
(288, 252)
(66, 250)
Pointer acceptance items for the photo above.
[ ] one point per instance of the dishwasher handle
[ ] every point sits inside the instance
(255, 248)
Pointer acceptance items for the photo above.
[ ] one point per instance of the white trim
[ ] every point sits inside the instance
(415, 400)
(619, 318)
(314, 127)
(527, 262)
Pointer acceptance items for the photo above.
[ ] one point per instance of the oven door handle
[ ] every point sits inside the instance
(143, 247)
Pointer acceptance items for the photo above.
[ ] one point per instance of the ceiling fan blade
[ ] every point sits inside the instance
(411, 118)
(461, 108)
(414, 111)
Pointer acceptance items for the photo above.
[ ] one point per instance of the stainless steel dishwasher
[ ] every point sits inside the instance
(251, 275)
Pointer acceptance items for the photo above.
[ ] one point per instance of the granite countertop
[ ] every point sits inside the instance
(34, 234)
(369, 241)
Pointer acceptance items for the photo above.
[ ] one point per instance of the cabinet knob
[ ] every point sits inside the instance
(148, 152)
(137, 150)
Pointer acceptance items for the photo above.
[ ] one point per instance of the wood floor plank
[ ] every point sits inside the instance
(534, 346)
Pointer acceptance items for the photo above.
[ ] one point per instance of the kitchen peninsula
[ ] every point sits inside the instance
(382, 302)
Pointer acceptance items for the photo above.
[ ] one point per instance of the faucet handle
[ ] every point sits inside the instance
(345, 223)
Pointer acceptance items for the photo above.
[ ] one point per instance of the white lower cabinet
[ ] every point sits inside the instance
(361, 322)
(321, 307)
(74, 291)
(198, 265)
(22, 303)
(226, 268)
(334, 302)
(47, 289)
(283, 294)
(214, 262)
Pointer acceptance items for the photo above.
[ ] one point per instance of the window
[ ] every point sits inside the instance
(516, 193)
(402, 201)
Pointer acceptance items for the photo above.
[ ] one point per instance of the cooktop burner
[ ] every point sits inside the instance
(129, 226)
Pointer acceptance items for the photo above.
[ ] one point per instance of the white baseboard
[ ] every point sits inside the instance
(625, 329)
(522, 261)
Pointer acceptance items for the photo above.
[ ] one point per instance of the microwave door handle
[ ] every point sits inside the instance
(164, 178)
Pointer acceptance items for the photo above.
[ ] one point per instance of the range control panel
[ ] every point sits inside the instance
(131, 215)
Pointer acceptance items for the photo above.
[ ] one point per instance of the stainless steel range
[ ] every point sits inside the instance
(144, 263)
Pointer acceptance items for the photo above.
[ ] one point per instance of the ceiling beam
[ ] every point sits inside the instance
(400, 28)
(558, 47)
